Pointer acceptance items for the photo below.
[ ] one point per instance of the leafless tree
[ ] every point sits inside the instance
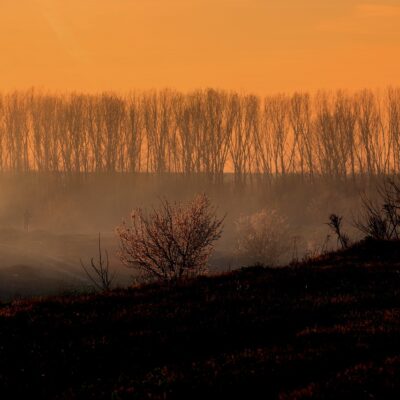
(2, 132)
(300, 119)
(393, 115)
(16, 127)
(172, 242)
(262, 237)
(133, 134)
(99, 272)
(205, 132)
(371, 140)
(345, 121)
(381, 219)
(245, 112)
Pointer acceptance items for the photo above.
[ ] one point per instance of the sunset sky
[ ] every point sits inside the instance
(260, 46)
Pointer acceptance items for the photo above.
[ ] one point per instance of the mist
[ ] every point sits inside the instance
(75, 165)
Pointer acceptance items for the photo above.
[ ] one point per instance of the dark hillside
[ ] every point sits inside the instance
(329, 328)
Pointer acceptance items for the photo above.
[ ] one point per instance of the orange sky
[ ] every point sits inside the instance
(260, 46)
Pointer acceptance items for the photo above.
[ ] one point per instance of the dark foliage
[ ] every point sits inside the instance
(325, 331)
(335, 223)
(381, 220)
(99, 272)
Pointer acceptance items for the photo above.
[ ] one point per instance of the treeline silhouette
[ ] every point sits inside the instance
(336, 135)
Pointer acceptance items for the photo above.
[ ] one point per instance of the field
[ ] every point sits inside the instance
(67, 217)
(326, 328)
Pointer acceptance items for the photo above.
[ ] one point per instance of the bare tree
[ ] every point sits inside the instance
(300, 119)
(133, 134)
(99, 273)
(172, 242)
(276, 133)
(368, 122)
(328, 142)
(218, 124)
(381, 220)
(205, 132)
(157, 112)
(393, 116)
(246, 114)
(187, 112)
(2, 132)
(345, 121)
(16, 128)
(262, 237)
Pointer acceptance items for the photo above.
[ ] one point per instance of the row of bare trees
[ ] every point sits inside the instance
(209, 132)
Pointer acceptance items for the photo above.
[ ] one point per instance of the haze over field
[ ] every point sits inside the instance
(261, 46)
(99, 135)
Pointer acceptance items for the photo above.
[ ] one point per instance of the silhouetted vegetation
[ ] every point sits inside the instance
(380, 219)
(173, 242)
(99, 272)
(335, 223)
(319, 328)
(334, 135)
(263, 237)
(326, 329)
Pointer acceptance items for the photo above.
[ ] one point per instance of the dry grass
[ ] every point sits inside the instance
(325, 330)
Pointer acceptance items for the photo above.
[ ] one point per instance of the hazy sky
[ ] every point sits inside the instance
(252, 45)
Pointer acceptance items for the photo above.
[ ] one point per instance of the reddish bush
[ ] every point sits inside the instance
(172, 242)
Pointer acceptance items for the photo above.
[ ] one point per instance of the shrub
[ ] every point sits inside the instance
(172, 242)
(335, 223)
(262, 237)
(99, 272)
(381, 220)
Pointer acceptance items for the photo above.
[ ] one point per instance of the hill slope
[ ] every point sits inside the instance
(328, 329)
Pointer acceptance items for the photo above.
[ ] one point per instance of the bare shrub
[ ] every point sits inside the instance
(381, 220)
(262, 237)
(172, 242)
(335, 223)
(315, 249)
(99, 273)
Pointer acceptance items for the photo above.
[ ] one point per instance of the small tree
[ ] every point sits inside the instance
(172, 242)
(99, 273)
(381, 220)
(262, 237)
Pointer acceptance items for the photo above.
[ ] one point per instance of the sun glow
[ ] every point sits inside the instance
(251, 45)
